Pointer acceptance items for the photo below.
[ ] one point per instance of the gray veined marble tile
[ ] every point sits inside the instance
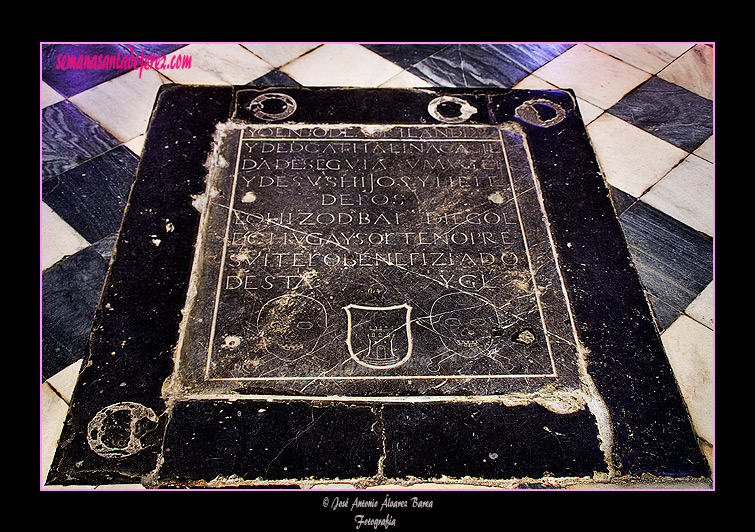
(469, 66)
(529, 57)
(70, 291)
(69, 137)
(92, 196)
(669, 112)
(406, 55)
(674, 262)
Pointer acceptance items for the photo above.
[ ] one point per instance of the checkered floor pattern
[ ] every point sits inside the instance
(648, 108)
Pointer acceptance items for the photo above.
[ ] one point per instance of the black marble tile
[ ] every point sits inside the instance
(663, 313)
(92, 196)
(275, 78)
(71, 81)
(621, 200)
(69, 137)
(669, 112)
(469, 66)
(674, 262)
(70, 291)
(405, 55)
(105, 246)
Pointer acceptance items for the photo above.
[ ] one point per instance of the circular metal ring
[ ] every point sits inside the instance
(465, 109)
(256, 106)
(529, 113)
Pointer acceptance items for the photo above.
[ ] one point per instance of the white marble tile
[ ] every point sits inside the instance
(702, 308)
(123, 105)
(596, 77)
(136, 145)
(689, 346)
(706, 149)
(686, 193)
(405, 80)
(632, 160)
(217, 64)
(64, 381)
(650, 57)
(53, 412)
(693, 70)
(346, 65)
(48, 95)
(279, 53)
(57, 238)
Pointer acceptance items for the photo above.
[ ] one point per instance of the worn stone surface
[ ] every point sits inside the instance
(374, 286)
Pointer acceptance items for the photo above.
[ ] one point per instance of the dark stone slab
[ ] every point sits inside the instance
(371, 285)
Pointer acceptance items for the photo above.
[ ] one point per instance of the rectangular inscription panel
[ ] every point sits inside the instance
(375, 261)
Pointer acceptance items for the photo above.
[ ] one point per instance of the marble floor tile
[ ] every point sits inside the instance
(278, 54)
(217, 64)
(686, 193)
(689, 346)
(693, 70)
(70, 292)
(407, 54)
(136, 145)
(663, 313)
(69, 137)
(650, 57)
(596, 77)
(632, 160)
(405, 79)
(92, 196)
(621, 200)
(72, 81)
(702, 309)
(122, 106)
(706, 149)
(57, 238)
(668, 111)
(529, 56)
(64, 381)
(674, 261)
(275, 78)
(469, 66)
(53, 412)
(341, 65)
(48, 95)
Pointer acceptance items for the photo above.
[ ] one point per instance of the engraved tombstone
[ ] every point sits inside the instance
(392, 278)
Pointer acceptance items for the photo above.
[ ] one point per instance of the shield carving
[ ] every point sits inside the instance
(379, 337)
